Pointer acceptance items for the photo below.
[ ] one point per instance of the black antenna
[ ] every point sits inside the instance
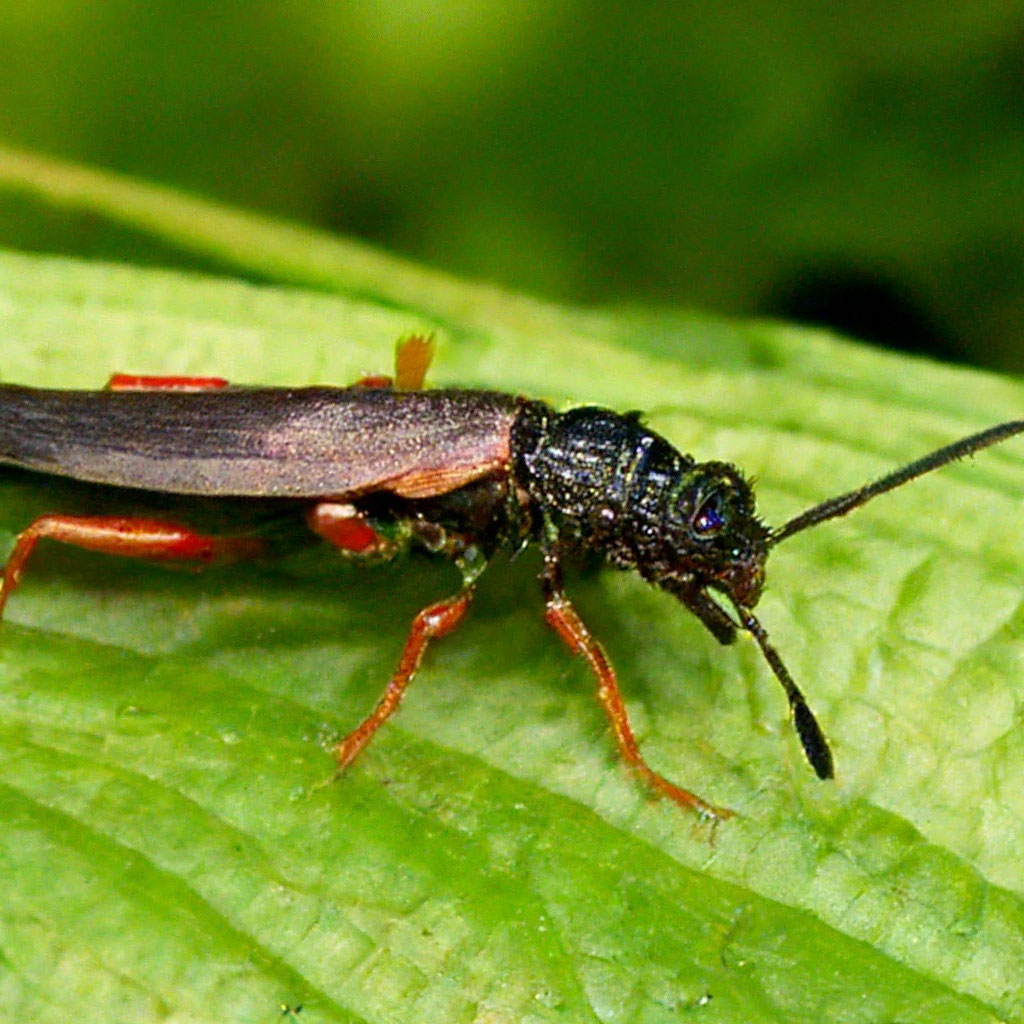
(811, 737)
(844, 503)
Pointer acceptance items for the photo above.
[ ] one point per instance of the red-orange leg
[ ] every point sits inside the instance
(565, 620)
(347, 529)
(153, 539)
(375, 380)
(413, 355)
(435, 621)
(142, 382)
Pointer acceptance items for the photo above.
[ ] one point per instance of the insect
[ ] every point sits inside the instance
(383, 465)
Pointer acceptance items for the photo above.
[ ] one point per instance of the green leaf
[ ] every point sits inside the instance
(170, 850)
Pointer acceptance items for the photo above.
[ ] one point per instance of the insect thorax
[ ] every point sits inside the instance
(601, 481)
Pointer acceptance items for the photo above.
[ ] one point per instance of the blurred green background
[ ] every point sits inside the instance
(857, 164)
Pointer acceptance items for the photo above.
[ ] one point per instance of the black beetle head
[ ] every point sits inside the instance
(711, 536)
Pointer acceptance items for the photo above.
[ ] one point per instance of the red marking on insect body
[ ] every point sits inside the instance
(426, 483)
(141, 382)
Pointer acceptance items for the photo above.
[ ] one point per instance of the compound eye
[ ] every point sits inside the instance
(708, 518)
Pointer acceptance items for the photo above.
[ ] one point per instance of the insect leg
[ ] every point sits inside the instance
(413, 355)
(348, 529)
(138, 382)
(564, 619)
(345, 527)
(374, 380)
(432, 622)
(154, 539)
